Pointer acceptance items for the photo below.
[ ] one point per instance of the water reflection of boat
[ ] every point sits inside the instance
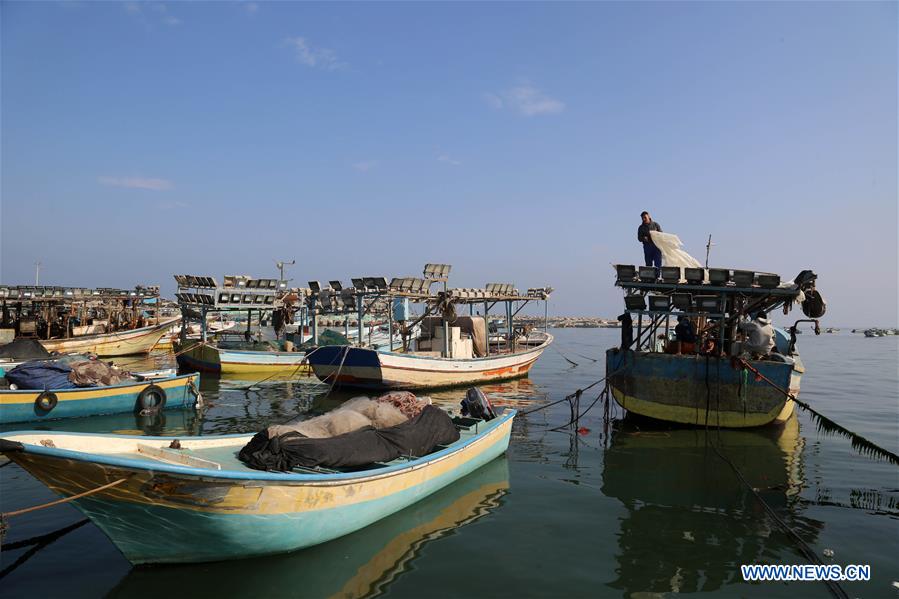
(690, 522)
(359, 565)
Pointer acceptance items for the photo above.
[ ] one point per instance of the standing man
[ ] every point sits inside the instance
(651, 253)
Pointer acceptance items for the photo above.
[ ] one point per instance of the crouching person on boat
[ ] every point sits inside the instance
(685, 337)
(759, 335)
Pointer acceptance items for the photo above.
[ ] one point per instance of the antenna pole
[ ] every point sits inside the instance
(279, 264)
(37, 274)
(708, 249)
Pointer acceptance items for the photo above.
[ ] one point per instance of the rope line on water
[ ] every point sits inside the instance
(807, 552)
(859, 443)
(34, 508)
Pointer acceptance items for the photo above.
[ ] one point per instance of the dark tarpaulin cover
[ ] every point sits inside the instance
(52, 374)
(415, 437)
(24, 349)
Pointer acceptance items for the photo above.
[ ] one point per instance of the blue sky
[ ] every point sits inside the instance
(518, 142)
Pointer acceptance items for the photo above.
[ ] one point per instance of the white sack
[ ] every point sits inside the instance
(672, 255)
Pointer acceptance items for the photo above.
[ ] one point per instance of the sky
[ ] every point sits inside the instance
(518, 142)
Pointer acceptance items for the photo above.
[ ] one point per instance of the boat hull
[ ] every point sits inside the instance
(19, 406)
(170, 517)
(135, 341)
(689, 389)
(370, 369)
(209, 358)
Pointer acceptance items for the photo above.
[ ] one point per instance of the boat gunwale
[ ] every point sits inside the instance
(98, 388)
(323, 479)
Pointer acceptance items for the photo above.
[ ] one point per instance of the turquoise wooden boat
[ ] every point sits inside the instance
(34, 405)
(362, 564)
(199, 503)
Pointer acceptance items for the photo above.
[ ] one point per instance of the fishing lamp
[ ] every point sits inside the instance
(671, 274)
(223, 298)
(648, 274)
(269, 299)
(634, 302)
(694, 276)
(253, 284)
(768, 281)
(625, 272)
(336, 285)
(706, 303)
(315, 286)
(682, 301)
(358, 284)
(719, 276)
(659, 303)
(229, 280)
(258, 299)
(4, 292)
(744, 278)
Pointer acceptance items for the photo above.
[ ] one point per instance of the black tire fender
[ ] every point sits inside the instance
(152, 398)
(45, 402)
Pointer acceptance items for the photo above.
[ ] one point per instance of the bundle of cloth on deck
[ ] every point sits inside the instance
(361, 431)
(65, 372)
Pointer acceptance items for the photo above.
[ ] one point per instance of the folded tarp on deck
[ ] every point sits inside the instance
(416, 437)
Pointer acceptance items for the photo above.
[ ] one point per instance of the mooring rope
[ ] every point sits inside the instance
(564, 357)
(5, 515)
(807, 552)
(859, 443)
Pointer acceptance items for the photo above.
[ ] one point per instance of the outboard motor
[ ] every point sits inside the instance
(476, 405)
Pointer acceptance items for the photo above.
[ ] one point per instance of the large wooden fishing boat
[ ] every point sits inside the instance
(443, 347)
(106, 322)
(167, 500)
(711, 382)
(379, 369)
(119, 343)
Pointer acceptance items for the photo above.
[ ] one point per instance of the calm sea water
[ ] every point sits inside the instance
(638, 512)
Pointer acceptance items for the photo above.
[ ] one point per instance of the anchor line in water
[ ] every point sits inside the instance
(564, 357)
(823, 423)
(39, 543)
(807, 552)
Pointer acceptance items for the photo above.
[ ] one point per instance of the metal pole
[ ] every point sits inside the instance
(314, 324)
(390, 323)
(361, 310)
(545, 315)
(487, 328)
(446, 343)
(203, 324)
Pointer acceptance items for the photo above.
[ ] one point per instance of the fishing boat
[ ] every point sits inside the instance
(358, 565)
(450, 349)
(119, 343)
(152, 392)
(175, 500)
(106, 322)
(713, 382)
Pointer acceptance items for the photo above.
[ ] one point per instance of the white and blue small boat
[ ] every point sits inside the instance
(168, 500)
(51, 404)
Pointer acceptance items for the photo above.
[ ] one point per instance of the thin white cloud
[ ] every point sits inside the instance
(365, 165)
(155, 11)
(136, 183)
(172, 205)
(251, 7)
(319, 58)
(526, 100)
(448, 160)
